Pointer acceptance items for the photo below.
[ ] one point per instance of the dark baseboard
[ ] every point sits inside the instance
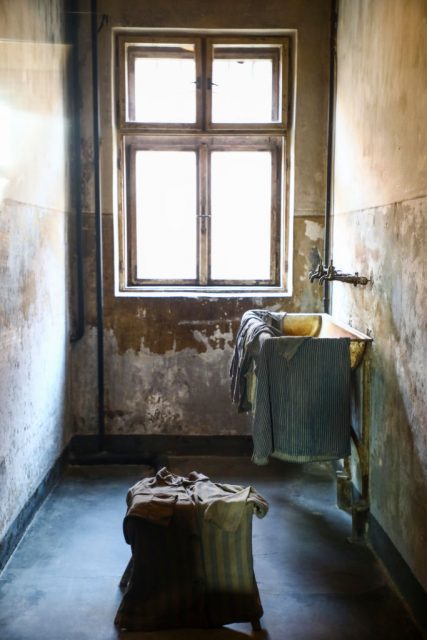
(151, 449)
(402, 576)
(18, 527)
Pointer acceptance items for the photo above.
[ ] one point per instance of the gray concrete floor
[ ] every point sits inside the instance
(62, 581)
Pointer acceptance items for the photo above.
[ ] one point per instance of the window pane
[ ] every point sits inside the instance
(241, 215)
(242, 90)
(166, 208)
(165, 87)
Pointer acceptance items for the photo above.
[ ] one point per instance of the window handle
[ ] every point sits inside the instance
(210, 84)
(204, 217)
(198, 83)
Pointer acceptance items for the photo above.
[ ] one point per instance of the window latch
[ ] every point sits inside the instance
(198, 83)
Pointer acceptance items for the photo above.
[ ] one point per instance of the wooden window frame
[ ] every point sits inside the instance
(128, 48)
(268, 54)
(204, 137)
(135, 52)
(276, 49)
(203, 146)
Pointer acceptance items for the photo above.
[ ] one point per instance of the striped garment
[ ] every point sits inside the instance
(191, 545)
(302, 410)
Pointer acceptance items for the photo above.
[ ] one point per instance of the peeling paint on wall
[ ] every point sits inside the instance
(380, 229)
(314, 230)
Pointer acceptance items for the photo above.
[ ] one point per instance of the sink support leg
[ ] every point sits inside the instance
(359, 521)
(344, 491)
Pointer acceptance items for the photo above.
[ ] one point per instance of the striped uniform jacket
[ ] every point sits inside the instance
(302, 410)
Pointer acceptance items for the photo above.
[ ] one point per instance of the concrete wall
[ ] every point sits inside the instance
(167, 360)
(380, 228)
(33, 247)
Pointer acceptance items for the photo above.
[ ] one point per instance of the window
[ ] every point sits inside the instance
(201, 143)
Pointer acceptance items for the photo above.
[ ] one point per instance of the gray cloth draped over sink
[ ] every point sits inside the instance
(255, 326)
(191, 545)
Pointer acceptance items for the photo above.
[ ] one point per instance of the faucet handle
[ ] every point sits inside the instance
(328, 274)
(331, 271)
(320, 269)
(317, 272)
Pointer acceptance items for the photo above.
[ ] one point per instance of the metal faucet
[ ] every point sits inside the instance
(331, 273)
(317, 273)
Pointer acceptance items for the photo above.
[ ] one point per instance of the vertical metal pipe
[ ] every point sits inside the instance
(98, 227)
(76, 174)
(330, 151)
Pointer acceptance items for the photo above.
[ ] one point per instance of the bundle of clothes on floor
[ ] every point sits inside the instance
(191, 542)
(297, 387)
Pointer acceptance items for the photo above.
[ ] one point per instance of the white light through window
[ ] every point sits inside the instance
(242, 90)
(166, 207)
(241, 215)
(165, 90)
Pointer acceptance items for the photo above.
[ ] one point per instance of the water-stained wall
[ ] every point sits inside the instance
(33, 244)
(167, 359)
(380, 228)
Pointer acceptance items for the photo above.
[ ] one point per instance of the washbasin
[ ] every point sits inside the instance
(323, 325)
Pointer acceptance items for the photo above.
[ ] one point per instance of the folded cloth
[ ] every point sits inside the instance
(225, 504)
(302, 408)
(153, 508)
(156, 499)
(253, 323)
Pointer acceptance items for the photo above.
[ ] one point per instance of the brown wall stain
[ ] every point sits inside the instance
(167, 359)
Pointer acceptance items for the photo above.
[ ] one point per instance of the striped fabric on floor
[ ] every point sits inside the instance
(231, 592)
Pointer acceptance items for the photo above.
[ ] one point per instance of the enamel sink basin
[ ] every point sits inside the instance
(323, 325)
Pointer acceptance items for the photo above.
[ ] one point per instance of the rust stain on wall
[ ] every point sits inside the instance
(167, 359)
(169, 324)
(173, 325)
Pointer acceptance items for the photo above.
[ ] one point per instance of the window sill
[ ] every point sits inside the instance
(200, 292)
